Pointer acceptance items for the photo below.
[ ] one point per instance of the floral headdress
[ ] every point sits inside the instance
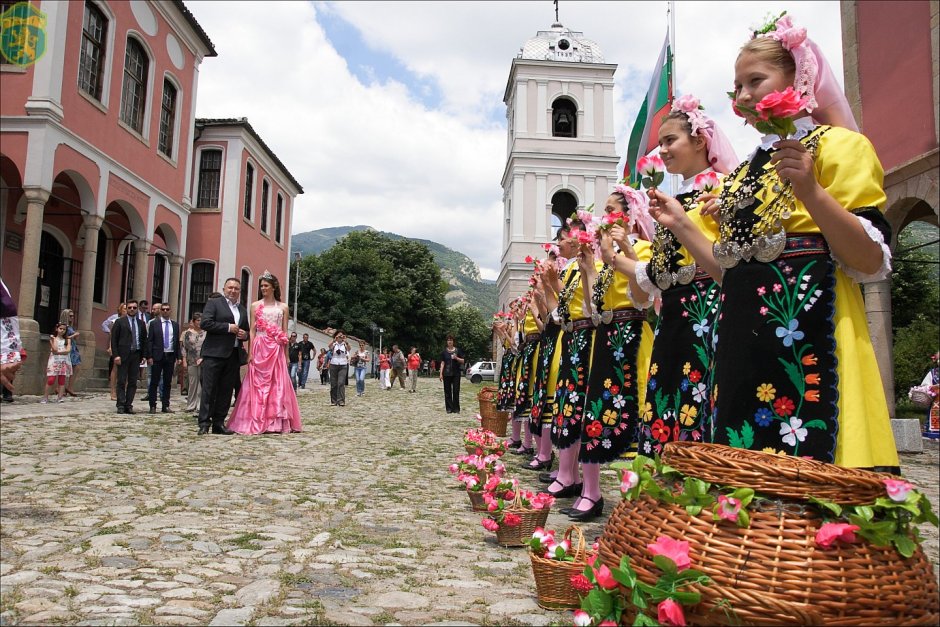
(638, 210)
(721, 156)
(814, 77)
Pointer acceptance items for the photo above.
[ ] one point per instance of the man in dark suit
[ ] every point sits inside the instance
(163, 336)
(225, 322)
(128, 346)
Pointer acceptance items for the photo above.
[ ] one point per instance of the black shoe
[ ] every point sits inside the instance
(223, 431)
(153, 409)
(569, 490)
(565, 511)
(546, 477)
(584, 516)
(512, 445)
(523, 451)
(119, 410)
(166, 409)
(203, 430)
(539, 464)
(129, 410)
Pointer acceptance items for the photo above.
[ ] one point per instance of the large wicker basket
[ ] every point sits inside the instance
(487, 398)
(772, 572)
(518, 535)
(553, 577)
(497, 423)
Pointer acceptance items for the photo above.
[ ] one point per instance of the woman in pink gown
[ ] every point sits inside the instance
(267, 402)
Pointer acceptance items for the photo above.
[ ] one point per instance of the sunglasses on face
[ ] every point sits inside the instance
(164, 308)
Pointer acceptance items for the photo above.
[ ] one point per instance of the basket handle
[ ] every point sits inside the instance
(580, 547)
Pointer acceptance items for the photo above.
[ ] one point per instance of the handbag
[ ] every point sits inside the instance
(354, 360)
(920, 396)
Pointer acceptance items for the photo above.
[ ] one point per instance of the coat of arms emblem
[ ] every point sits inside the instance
(22, 34)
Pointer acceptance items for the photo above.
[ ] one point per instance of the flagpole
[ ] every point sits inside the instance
(671, 29)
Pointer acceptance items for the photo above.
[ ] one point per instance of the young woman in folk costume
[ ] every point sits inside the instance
(503, 327)
(619, 358)
(800, 227)
(556, 287)
(529, 335)
(508, 386)
(677, 404)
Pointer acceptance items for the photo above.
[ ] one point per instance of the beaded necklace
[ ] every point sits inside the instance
(665, 257)
(601, 284)
(744, 233)
(564, 299)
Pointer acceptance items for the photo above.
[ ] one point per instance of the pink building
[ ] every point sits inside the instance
(110, 189)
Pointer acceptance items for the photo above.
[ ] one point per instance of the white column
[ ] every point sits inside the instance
(46, 98)
(589, 194)
(541, 227)
(588, 110)
(187, 143)
(542, 108)
(518, 206)
(36, 198)
(231, 217)
(87, 294)
(522, 105)
(141, 269)
(878, 312)
(176, 263)
(609, 112)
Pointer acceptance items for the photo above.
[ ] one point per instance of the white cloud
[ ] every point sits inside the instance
(374, 154)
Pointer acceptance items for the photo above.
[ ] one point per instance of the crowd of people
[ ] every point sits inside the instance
(753, 269)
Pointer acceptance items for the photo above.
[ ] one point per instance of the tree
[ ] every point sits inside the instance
(471, 331)
(366, 279)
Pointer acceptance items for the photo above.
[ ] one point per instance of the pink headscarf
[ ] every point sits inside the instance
(638, 210)
(814, 76)
(721, 156)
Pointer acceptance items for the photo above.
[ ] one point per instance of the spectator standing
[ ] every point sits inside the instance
(306, 354)
(414, 365)
(192, 339)
(361, 361)
(399, 365)
(164, 350)
(322, 364)
(147, 369)
(339, 369)
(59, 366)
(120, 312)
(128, 344)
(293, 360)
(325, 366)
(10, 343)
(384, 369)
(452, 360)
(75, 357)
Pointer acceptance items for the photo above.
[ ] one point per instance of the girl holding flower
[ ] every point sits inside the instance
(801, 226)
(676, 404)
(529, 336)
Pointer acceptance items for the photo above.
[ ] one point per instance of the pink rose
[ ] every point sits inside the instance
(676, 550)
(830, 532)
(728, 507)
(489, 524)
(581, 618)
(781, 104)
(581, 583)
(629, 481)
(650, 166)
(787, 34)
(512, 520)
(670, 613)
(897, 489)
(706, 181)
(605, 578)
(685, 103)
(607, 623)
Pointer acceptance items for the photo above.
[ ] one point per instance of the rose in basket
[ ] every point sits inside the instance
(543, 544)
(483, 442)
(494, 485)
(498, 512)
(479, 467)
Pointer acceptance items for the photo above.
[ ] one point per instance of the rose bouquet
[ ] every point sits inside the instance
(483, 442)
(507, 511)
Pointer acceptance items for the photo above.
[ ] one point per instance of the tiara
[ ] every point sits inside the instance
(267, 276)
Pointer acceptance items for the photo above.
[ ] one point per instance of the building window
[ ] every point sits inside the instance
(563, 205)
(249, 190)
(101, 259)
(159, 278)
(564, 118)
(210, 177)
(134, 95)
(91, 61)
(200, 286)
(265, 189)
(278, 218)
(167, 119)
(246, 286)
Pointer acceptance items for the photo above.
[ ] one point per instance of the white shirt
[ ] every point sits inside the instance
(235, 314)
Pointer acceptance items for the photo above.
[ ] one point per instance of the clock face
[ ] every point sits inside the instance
(563, 44)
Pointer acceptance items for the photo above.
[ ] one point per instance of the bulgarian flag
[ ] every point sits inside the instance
(645, 134)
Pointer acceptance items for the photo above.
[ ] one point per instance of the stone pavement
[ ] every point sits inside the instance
(116, 519)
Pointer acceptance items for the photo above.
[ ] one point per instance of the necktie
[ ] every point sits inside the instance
(166, 336)
(133, 322)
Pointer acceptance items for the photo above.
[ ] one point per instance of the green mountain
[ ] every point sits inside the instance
(460, 272)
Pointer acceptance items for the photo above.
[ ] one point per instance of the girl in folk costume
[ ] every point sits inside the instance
(506, 398)
(502, 327)
(620, 355)
(558, 281)
(528, 356)
(800, 226)
(677, 404)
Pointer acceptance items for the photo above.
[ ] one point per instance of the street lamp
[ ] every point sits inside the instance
(297, 257)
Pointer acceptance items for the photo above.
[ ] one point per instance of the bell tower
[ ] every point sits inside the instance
(560, 153)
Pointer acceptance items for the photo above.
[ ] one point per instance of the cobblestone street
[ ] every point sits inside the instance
(115, 519)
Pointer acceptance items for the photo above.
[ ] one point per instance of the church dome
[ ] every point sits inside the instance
(561, 44)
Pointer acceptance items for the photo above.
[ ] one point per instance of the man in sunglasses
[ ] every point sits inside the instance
(128, 346)
(164, 347)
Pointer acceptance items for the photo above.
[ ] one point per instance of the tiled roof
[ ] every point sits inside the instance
(196, 27)
(243, 122)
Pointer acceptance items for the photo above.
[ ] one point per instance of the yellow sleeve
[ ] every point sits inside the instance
(848, 168)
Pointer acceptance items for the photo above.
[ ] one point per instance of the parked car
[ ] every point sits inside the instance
(482, 371)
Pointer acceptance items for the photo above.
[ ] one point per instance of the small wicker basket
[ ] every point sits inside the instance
(497, 423)
(520, 534)
(476, 500)
(487, 398)
(772, 572)
(920, 397)
(553, 578)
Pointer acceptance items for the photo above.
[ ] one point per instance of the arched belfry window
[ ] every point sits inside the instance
(564, 118)
(563, 205)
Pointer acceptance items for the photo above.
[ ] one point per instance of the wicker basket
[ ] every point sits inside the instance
(920, 397)
(476, 500)
(772, 572)
(487, 398)
(520, 534)
(497, 423)
(553, 578)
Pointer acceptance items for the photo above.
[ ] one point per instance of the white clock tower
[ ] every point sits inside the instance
(560, 144)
